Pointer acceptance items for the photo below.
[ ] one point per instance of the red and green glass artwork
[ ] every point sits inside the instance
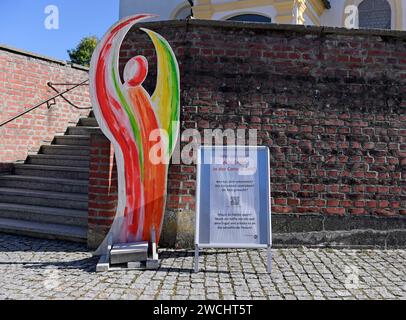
(142, 128)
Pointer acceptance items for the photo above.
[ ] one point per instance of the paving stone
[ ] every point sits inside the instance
(44, 269)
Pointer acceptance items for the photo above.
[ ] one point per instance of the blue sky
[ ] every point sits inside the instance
(22, 24)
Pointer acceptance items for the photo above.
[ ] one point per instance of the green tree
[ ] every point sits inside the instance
(83, 52)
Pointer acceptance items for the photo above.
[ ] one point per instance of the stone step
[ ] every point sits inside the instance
(58, 160)
(44, 183)
(81, 130)
(44, 198)
(52, 171)
(88, 122)
(66, 150)
(72, 140)
(43, 214)
(43, 230)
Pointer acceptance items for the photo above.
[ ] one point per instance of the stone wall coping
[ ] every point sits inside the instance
(231, 25)
(276, 27)
(41, 57)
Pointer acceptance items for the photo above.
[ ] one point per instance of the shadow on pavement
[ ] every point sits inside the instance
(13, 243)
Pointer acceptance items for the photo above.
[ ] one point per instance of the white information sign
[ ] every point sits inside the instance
(233, 198)
(234, 203)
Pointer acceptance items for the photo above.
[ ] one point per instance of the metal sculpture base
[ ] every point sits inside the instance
(129, 256)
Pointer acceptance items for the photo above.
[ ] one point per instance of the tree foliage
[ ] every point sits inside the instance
(82, 54)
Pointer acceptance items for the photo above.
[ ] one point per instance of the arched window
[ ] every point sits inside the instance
(251, 18)
(375, 14)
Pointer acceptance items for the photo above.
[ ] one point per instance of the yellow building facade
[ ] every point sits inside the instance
(279, 11)
(336, 13)
(377, 14)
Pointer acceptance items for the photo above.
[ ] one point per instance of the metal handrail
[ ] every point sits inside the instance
(43, 102)
(52, 86)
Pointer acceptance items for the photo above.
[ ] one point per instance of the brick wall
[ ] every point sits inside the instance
(23, 84)
(329, 103)
(102, 189)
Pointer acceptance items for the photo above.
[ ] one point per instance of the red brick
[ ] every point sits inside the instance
(334, 211)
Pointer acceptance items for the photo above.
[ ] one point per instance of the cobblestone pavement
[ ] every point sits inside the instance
(42, 269)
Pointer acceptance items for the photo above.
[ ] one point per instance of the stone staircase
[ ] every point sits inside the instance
(47, 196)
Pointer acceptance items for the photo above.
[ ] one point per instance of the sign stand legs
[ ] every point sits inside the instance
(196, 258)
(269, 262)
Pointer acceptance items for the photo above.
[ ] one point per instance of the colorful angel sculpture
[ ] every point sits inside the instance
(136, 123)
